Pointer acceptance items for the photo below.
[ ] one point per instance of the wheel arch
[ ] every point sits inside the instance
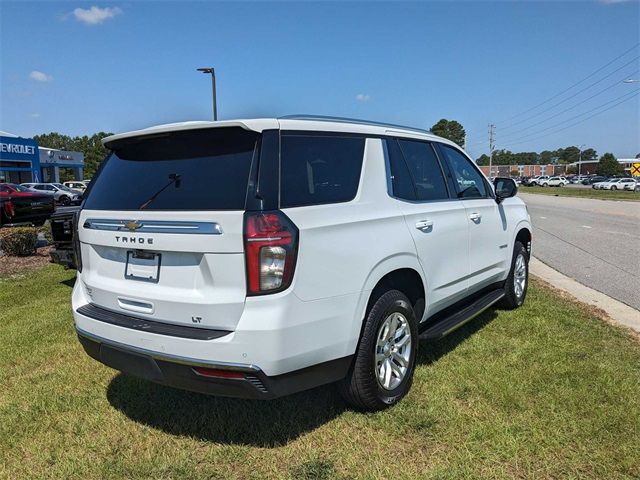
(401, 272)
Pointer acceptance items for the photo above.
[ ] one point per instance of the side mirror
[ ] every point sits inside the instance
(505, 188)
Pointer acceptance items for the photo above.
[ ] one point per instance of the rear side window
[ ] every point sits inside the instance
(470, 183)
(401, 181)
(187, 170)
(425, 170)
(318, 169)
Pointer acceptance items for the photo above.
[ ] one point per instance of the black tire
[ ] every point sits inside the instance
(512, 299)
(361, 388)
(614, 187)
(64, 200)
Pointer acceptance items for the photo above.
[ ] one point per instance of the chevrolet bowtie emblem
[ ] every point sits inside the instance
(133, 226)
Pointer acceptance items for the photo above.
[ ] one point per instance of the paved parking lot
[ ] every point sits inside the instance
(596, 242)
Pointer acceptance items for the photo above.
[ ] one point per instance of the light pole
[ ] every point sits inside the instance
(212, 71)
(580, 159)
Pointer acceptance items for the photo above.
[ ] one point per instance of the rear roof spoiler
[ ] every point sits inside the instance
(256, 125)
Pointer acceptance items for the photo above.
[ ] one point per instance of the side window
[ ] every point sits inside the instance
(317, 169)
(469, 181)
(425, 170)
(401, 182)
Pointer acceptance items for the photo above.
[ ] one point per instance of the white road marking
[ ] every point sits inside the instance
(544, 218)
(586, 226)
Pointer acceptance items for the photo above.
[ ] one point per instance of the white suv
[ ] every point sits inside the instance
(257, 258)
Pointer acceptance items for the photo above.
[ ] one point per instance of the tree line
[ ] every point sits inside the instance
(607, 164)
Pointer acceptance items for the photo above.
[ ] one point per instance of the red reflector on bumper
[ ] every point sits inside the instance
(215, 373)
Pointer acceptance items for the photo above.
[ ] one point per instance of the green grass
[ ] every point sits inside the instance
(547, 391)
(584, 193)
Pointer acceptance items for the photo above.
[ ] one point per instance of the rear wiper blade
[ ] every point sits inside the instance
(173, 178)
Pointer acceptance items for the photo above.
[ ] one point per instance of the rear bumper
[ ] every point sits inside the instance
(179, 372)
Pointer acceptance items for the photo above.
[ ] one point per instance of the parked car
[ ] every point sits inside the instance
(594, 179)
(554, 182)
(79, 185)
(269, 283)
(62, 194)
(20, 206)
(617, 183)
(633, 186)
(578, 179)
(62, 229)
(609, 184)
(538, 180)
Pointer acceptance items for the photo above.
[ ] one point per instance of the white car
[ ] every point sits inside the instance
(538, 180)
(263, 257)
(633, 186)
(554, 182)
(615, 184)
(61, 193)
(80, 185)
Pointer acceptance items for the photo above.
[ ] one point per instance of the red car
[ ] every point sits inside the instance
(21, 206)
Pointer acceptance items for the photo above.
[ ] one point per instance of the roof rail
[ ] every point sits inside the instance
(324, 118)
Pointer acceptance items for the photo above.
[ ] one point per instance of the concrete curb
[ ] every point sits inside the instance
(618, 311)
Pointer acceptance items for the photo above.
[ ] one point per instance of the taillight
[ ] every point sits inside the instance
(217, 373)
(270, 249)
(77, 252)
(9, 209)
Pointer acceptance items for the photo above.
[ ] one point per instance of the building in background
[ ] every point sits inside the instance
(22, 160)
(586, 168)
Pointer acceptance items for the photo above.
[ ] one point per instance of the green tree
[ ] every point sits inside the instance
(449, 129)
(589, 155)
(483, 159)
(609, 166)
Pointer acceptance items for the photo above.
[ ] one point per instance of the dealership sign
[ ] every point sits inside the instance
(18, 149)
(13, 148)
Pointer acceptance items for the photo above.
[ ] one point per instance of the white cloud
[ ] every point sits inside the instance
(34, 115)
(95, 15)
(40, 76)
(363, 97)
(609, 2)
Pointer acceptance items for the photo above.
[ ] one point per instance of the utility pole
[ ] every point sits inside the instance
(580, 158)
(212, 71)
(492, 146)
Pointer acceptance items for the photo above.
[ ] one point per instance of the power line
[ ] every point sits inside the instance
(609, 87)
(572, 96)
(635, 94)
(570, 87)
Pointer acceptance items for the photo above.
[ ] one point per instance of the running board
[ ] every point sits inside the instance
(458, 317)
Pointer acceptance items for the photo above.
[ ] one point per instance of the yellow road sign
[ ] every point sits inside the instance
(635, 169)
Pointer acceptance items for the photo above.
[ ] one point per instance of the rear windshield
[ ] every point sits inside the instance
(189, 170)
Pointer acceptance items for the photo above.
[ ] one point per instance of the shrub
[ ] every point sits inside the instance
(18, 241)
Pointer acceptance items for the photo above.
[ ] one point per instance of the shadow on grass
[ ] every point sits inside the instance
(69, 282)
(224, 420)
(251, 422)
(431, 351)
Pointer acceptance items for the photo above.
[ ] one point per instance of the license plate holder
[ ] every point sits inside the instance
(143, 266)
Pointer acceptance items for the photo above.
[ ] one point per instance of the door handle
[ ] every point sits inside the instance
(475, 216)
(424, 224)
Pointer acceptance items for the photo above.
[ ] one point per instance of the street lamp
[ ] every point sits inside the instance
(580, 159)
(212, 71)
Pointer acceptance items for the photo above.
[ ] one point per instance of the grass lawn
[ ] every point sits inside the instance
(547, 391)
(584, 193)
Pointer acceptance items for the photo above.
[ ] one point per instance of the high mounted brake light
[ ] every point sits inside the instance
(271, 249)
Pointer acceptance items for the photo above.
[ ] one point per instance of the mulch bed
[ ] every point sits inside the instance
(10, 266)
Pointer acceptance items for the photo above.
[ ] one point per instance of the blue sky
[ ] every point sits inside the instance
(75, 69)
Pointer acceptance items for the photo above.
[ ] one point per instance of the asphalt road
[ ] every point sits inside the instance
(596, 242)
